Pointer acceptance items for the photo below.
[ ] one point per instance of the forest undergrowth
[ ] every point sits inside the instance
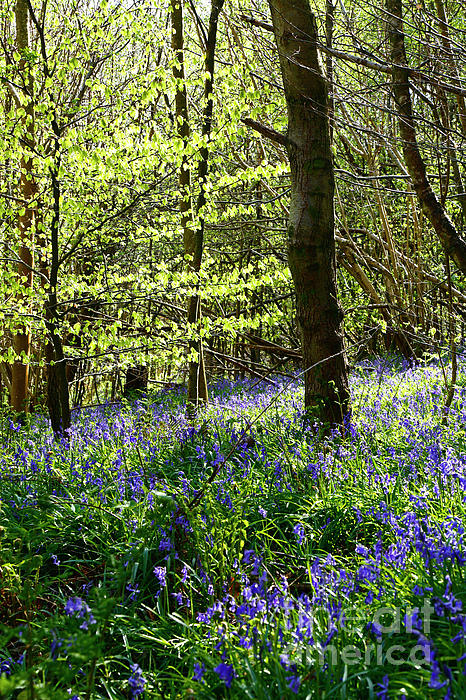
(309, 567)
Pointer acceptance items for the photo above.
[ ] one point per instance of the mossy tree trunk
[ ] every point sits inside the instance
(192, 237)
(58, 397)
(311, 240)
(28, 193)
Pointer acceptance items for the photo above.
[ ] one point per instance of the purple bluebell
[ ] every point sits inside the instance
(136, 681)
(198, 673)
(225, 672)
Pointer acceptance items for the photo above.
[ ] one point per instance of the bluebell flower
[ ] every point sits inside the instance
(375, 629)
(363, 551)
(136, 681)
(74, 605)
(184, 574)
(78, 607)
(6, 666)
(55, 647)
(383, 692)
(298, 532)
(133, 590)
(225, 673)
(435, 681)
(161, 575)
(294, 682)
(199, 670)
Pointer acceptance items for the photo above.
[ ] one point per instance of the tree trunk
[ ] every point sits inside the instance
(27, 191)
(58, 398)
(311, 240)
(197, 382)
(452, 242)
(136, 380)
(194, 241)
(329, 22)
(454, 73)
(460, 100)
(57, 385)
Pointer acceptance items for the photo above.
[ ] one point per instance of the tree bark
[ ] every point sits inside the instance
(58, 398)
(311, 239)
(136, 380)
(460, 100)
(57, 383)
(197, 382)
(443, 226)
(455, 77)
(27, 191)
(329, 22)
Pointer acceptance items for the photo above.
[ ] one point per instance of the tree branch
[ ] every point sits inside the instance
(380, 66)
(266, 131)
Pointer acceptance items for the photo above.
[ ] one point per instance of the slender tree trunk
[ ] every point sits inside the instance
(58, 398)
(460, 100)
(197, 378)
(454, 73)
(311, 239)
(27, 191)
(452, 242)
(197, 382)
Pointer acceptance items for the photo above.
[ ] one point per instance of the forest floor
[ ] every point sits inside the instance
(308, 567)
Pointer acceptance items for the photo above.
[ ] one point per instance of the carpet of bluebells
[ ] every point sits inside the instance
(309, 567)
